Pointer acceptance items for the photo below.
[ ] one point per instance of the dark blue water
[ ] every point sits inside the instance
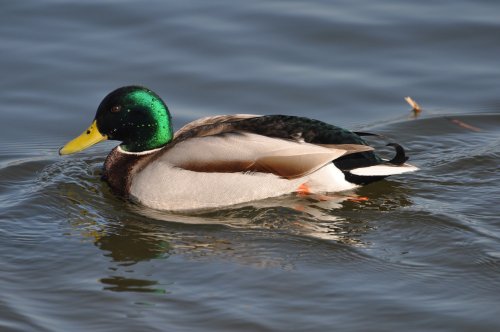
(422, 253)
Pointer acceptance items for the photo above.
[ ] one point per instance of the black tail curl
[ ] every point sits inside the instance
(400, 158)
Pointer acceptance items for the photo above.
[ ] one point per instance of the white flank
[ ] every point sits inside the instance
(166, 187)
(175, 189)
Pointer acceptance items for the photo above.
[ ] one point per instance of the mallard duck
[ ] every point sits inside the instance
(228, 159)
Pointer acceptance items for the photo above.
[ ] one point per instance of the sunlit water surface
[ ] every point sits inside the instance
(419, 252)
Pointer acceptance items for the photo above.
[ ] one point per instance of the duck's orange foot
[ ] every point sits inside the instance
(357, 198)
(303, 190)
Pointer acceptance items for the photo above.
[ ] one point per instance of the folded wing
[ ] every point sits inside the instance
(248, 152)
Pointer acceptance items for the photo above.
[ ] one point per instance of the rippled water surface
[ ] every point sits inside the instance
(419, 252)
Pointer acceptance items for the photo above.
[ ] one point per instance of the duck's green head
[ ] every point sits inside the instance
(134, 115)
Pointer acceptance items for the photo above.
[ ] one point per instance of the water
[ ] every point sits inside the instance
(421, 253)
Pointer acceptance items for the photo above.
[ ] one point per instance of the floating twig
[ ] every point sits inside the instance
(416, 109)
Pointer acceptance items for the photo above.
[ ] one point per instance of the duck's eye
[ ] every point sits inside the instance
(116, 109)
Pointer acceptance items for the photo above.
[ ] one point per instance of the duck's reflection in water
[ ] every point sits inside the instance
(137, 238)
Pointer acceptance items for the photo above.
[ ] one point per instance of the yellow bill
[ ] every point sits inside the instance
(88, 138)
